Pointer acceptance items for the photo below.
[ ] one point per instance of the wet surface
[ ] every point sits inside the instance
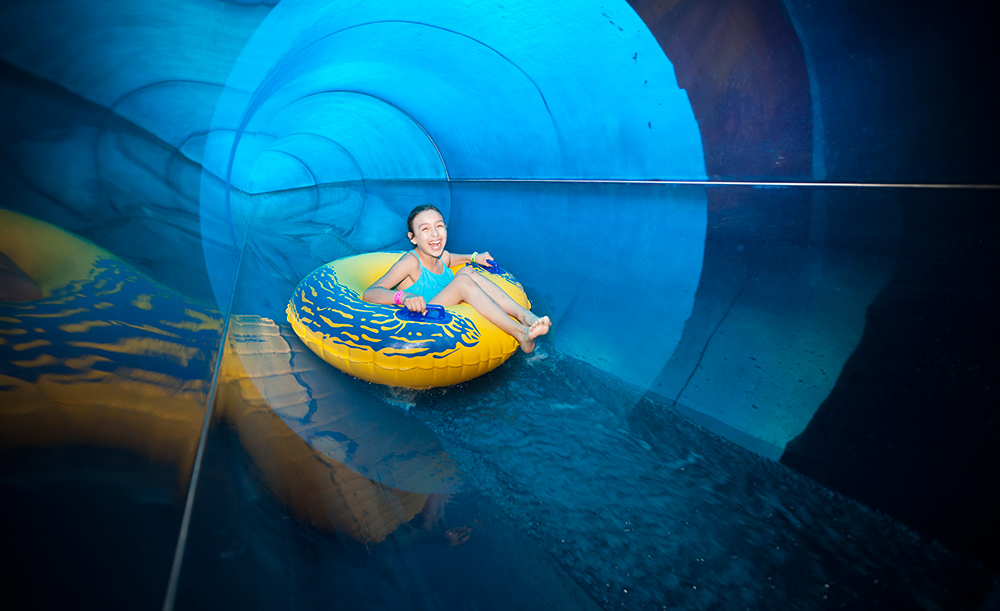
(581, 492)
(247, 552)
(647, 510)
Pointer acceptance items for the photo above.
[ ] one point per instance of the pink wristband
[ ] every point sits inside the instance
(397, 299)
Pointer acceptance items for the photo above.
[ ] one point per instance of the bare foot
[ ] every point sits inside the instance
(457, 536)
(539, 327)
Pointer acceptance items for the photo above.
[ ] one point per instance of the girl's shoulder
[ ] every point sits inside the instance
(411, 264)
(409, 260)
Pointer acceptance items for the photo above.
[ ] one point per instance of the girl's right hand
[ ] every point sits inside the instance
(415, 303)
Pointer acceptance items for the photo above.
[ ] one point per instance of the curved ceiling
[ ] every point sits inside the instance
(454, 92)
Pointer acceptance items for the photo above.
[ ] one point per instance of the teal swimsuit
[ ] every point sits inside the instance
(429, 284)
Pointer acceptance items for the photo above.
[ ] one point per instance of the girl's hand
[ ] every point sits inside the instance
(415, 303)
(484, 259)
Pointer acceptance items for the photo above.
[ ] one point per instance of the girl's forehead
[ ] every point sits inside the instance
(427, 216)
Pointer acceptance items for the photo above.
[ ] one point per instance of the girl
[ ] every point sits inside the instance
(422, 276)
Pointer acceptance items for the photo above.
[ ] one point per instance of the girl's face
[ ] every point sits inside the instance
(429, 232)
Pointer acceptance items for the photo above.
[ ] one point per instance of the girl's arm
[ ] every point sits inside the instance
(482, 258)
(381, 291)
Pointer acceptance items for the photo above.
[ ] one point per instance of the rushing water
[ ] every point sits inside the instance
(580, 493)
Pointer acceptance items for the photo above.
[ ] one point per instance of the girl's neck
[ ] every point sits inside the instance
(428, 261)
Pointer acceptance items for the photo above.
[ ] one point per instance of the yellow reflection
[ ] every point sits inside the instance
(262, 394)
(102, 371)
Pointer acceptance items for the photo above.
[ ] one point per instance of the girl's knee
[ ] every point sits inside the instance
(469, 276)
(462, 281)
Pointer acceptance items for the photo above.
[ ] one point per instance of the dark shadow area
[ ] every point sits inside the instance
(911, 424)
(742, 65)
(845, 91)
(86, 527)
(854, 91)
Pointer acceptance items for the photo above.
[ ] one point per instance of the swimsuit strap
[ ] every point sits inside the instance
(421, 262)
(430, 284)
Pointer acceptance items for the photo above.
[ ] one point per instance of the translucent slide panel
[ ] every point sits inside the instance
(615, 265)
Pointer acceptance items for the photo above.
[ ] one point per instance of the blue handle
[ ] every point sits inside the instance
(435, 313)
(492, 268)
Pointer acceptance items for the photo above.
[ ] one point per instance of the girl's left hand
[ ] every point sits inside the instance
(484, 259)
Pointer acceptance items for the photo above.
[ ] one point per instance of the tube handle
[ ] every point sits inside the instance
(435, 313)
(492, 268)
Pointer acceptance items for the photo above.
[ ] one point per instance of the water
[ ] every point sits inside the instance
(580, 493)
(647, 509)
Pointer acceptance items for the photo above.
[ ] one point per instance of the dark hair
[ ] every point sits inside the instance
(415, 212)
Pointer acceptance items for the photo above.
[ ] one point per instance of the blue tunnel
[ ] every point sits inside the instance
(764, 232)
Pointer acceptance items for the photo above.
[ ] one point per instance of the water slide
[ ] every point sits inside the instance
(723, 234)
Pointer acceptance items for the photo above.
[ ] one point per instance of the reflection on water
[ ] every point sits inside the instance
(548, 462)
(106, 357)
(104, 383)
(98, 364)
(342, 461)
(317, 482)
(579, 490)
(565, 469)
(575, 487)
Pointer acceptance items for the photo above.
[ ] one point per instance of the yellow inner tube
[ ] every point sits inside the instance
(384, 343)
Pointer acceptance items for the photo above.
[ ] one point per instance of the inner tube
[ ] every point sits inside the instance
(387, 344)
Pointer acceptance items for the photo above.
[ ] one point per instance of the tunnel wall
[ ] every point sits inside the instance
(868, 95)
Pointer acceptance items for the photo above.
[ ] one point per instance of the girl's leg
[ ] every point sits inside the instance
(506, 303)
(465, 288)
